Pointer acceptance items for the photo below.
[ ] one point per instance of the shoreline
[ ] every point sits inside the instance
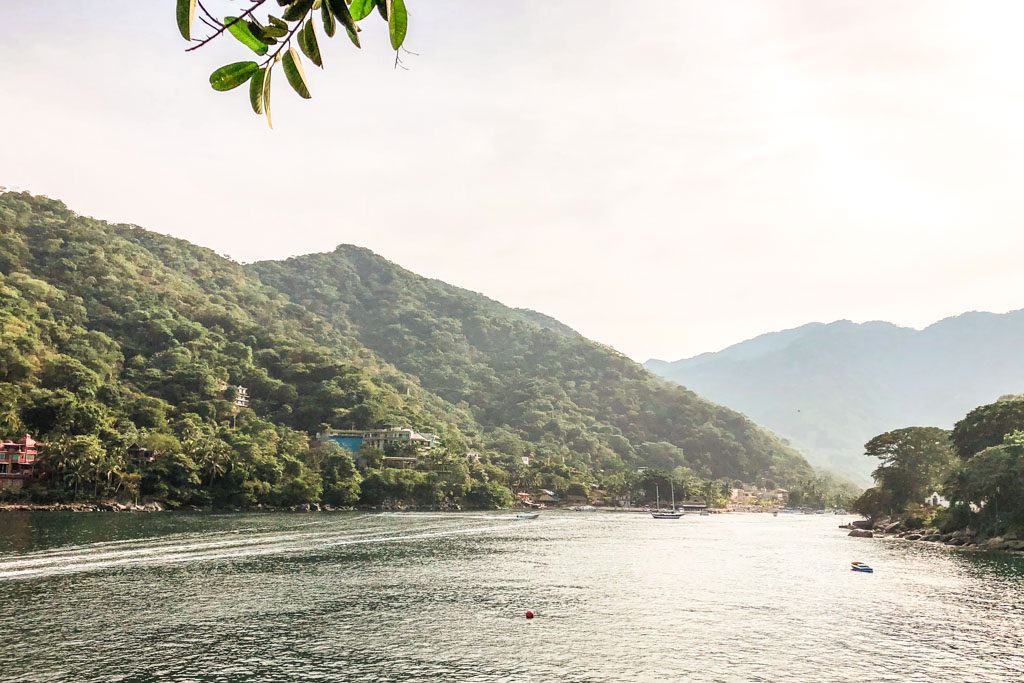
(961, 539)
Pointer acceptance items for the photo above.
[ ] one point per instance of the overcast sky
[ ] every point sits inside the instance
(667, 177)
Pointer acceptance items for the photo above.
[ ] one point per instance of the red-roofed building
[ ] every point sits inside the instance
(18, 459)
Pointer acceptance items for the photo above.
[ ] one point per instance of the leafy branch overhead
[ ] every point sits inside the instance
(276, 38)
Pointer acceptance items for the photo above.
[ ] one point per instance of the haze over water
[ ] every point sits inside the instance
(179, 597)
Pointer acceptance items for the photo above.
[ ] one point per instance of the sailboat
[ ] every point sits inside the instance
(659, 514)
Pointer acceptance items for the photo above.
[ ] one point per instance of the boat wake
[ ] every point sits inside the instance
(227, 545)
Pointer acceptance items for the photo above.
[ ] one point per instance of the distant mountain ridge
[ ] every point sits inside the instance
(828, 388)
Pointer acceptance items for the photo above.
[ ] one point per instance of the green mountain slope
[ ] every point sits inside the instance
(532, 383)
(112, 335)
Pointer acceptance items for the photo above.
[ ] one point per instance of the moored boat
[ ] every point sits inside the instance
(527, 515)
(666, 514)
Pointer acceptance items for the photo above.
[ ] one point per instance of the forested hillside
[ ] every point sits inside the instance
(114, 336)
(831, 387)
(121, 349)
(526, 378)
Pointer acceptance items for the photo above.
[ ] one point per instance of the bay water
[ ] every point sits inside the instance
(412, 597)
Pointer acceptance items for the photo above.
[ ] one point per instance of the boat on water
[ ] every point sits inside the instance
(705, 513)
(527, 515)
(861, 567)
(583, 508)
(666, 514)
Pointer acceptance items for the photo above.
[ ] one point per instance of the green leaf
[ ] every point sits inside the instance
(340, 10)
(232, 75)
(294, 73)
(297, 10)
(398, 22)
(186, 13)
(256, 91)
(354, 35)
(308, 44)
(240, 30)
(382, 7)
(360, 9)
(278, 23)
(266, 95)
(328, 18)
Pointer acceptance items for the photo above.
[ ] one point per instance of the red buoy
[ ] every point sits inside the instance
(529, 614)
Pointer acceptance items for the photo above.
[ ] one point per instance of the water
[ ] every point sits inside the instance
(619, 597)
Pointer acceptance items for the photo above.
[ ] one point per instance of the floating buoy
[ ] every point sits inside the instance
(529, 614)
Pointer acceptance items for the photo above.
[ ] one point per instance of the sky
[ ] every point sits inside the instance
(667, 177)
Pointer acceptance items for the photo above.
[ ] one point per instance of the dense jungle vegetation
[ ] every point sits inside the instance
(116, 339)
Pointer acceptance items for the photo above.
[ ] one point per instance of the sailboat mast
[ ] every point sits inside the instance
(673, 485)
(657, 497)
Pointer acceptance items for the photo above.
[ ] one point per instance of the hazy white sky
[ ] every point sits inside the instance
(667, 177)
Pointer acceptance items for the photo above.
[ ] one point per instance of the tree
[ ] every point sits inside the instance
(988, 490)
(915, 461)
(987, 425)
(274, 38)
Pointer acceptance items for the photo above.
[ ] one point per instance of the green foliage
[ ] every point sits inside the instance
(489, 496)
(986, 425)
(989, 488)
(240, 30)
(985, 485)
(295, 23)
(915, 462)
(231, 76)
(295, 74)
(112, 336)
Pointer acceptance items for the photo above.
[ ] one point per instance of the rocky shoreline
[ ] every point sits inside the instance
(966, 539)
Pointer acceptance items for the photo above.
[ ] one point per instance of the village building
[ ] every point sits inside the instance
(545, 496)
(18, 460)
(936, 500)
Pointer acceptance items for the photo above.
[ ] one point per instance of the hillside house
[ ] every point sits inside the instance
(382, 439)
(18, 460)
(397, 438)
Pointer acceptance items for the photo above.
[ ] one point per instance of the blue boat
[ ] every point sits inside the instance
(861, 567)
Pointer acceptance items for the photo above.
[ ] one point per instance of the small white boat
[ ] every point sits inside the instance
(527, 515)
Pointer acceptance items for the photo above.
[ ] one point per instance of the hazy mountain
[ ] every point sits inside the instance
(828, 388)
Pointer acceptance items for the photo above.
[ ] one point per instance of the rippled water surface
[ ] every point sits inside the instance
(618, 597)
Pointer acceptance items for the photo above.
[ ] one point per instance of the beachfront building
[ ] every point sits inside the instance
(18, 460)
(936, 500)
